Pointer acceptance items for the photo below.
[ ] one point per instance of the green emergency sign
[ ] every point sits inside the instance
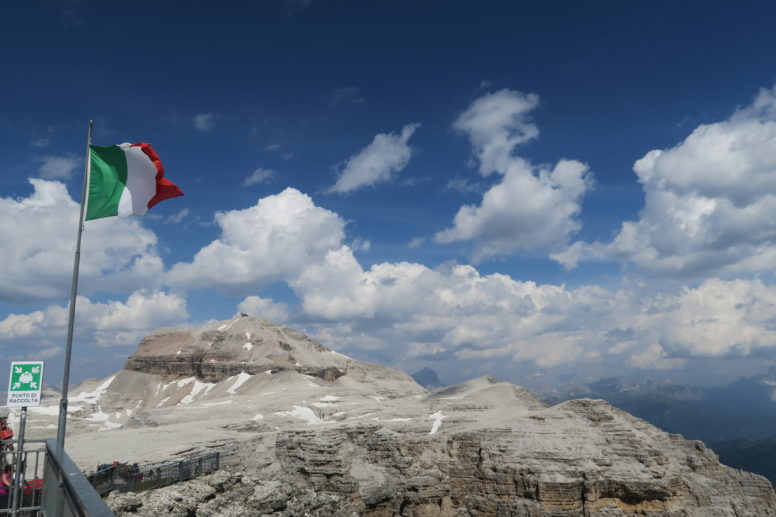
(25, 384)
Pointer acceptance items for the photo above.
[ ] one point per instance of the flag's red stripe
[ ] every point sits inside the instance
(165, 189)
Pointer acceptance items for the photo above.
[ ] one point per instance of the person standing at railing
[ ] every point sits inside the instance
(6, 481)
(6, 433)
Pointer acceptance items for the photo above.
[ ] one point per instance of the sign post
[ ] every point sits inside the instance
(24, 387)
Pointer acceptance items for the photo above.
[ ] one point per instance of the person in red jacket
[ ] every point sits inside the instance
(6, 433)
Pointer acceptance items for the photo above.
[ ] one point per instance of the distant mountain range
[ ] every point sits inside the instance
(757, 456)
(427, 378)
(738, 421)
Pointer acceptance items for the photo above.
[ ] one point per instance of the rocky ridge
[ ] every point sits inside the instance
(249, 345)
(304, 430)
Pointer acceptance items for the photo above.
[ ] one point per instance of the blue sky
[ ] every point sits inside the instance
(538, 192)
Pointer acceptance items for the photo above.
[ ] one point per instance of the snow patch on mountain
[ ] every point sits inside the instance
(240, 379)
(302, 413)
(94, 396)
(437, 418)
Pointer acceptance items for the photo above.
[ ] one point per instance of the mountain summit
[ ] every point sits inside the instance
(427, 378)
(243, 345)
(305, 430)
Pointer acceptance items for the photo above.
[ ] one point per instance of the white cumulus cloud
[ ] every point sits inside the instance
(270, 241)
(403, 311)
(531, 208)
(525, 211)
(709, 201)
(103, 324)
(497, 123)
(264, 308)
(378, 162)
(721, 318)
(409, 311)
(37, 240)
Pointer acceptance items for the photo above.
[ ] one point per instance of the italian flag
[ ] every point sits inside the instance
(125, 179)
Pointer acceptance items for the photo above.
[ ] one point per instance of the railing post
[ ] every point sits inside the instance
(18, 477)
(131, 481)
(74, 495)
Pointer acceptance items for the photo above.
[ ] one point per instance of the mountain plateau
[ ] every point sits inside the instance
(304, 430)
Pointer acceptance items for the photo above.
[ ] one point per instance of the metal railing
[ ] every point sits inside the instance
(125, 477)
(29, 492)
(66, 492)
(50, 483)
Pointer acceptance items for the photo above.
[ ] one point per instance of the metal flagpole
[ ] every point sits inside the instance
(73, 292)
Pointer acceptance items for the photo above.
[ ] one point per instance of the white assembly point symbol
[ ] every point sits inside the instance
(26, 378)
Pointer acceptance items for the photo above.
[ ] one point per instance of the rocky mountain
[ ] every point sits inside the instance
(304, 430)
(745, 409)
(427, 378)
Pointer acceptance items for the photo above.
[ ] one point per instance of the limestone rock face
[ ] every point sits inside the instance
(246, 344)
(306, 431)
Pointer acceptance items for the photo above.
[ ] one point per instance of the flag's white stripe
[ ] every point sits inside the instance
(141, 182)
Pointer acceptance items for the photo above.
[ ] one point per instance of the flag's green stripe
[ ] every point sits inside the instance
(107, 178)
